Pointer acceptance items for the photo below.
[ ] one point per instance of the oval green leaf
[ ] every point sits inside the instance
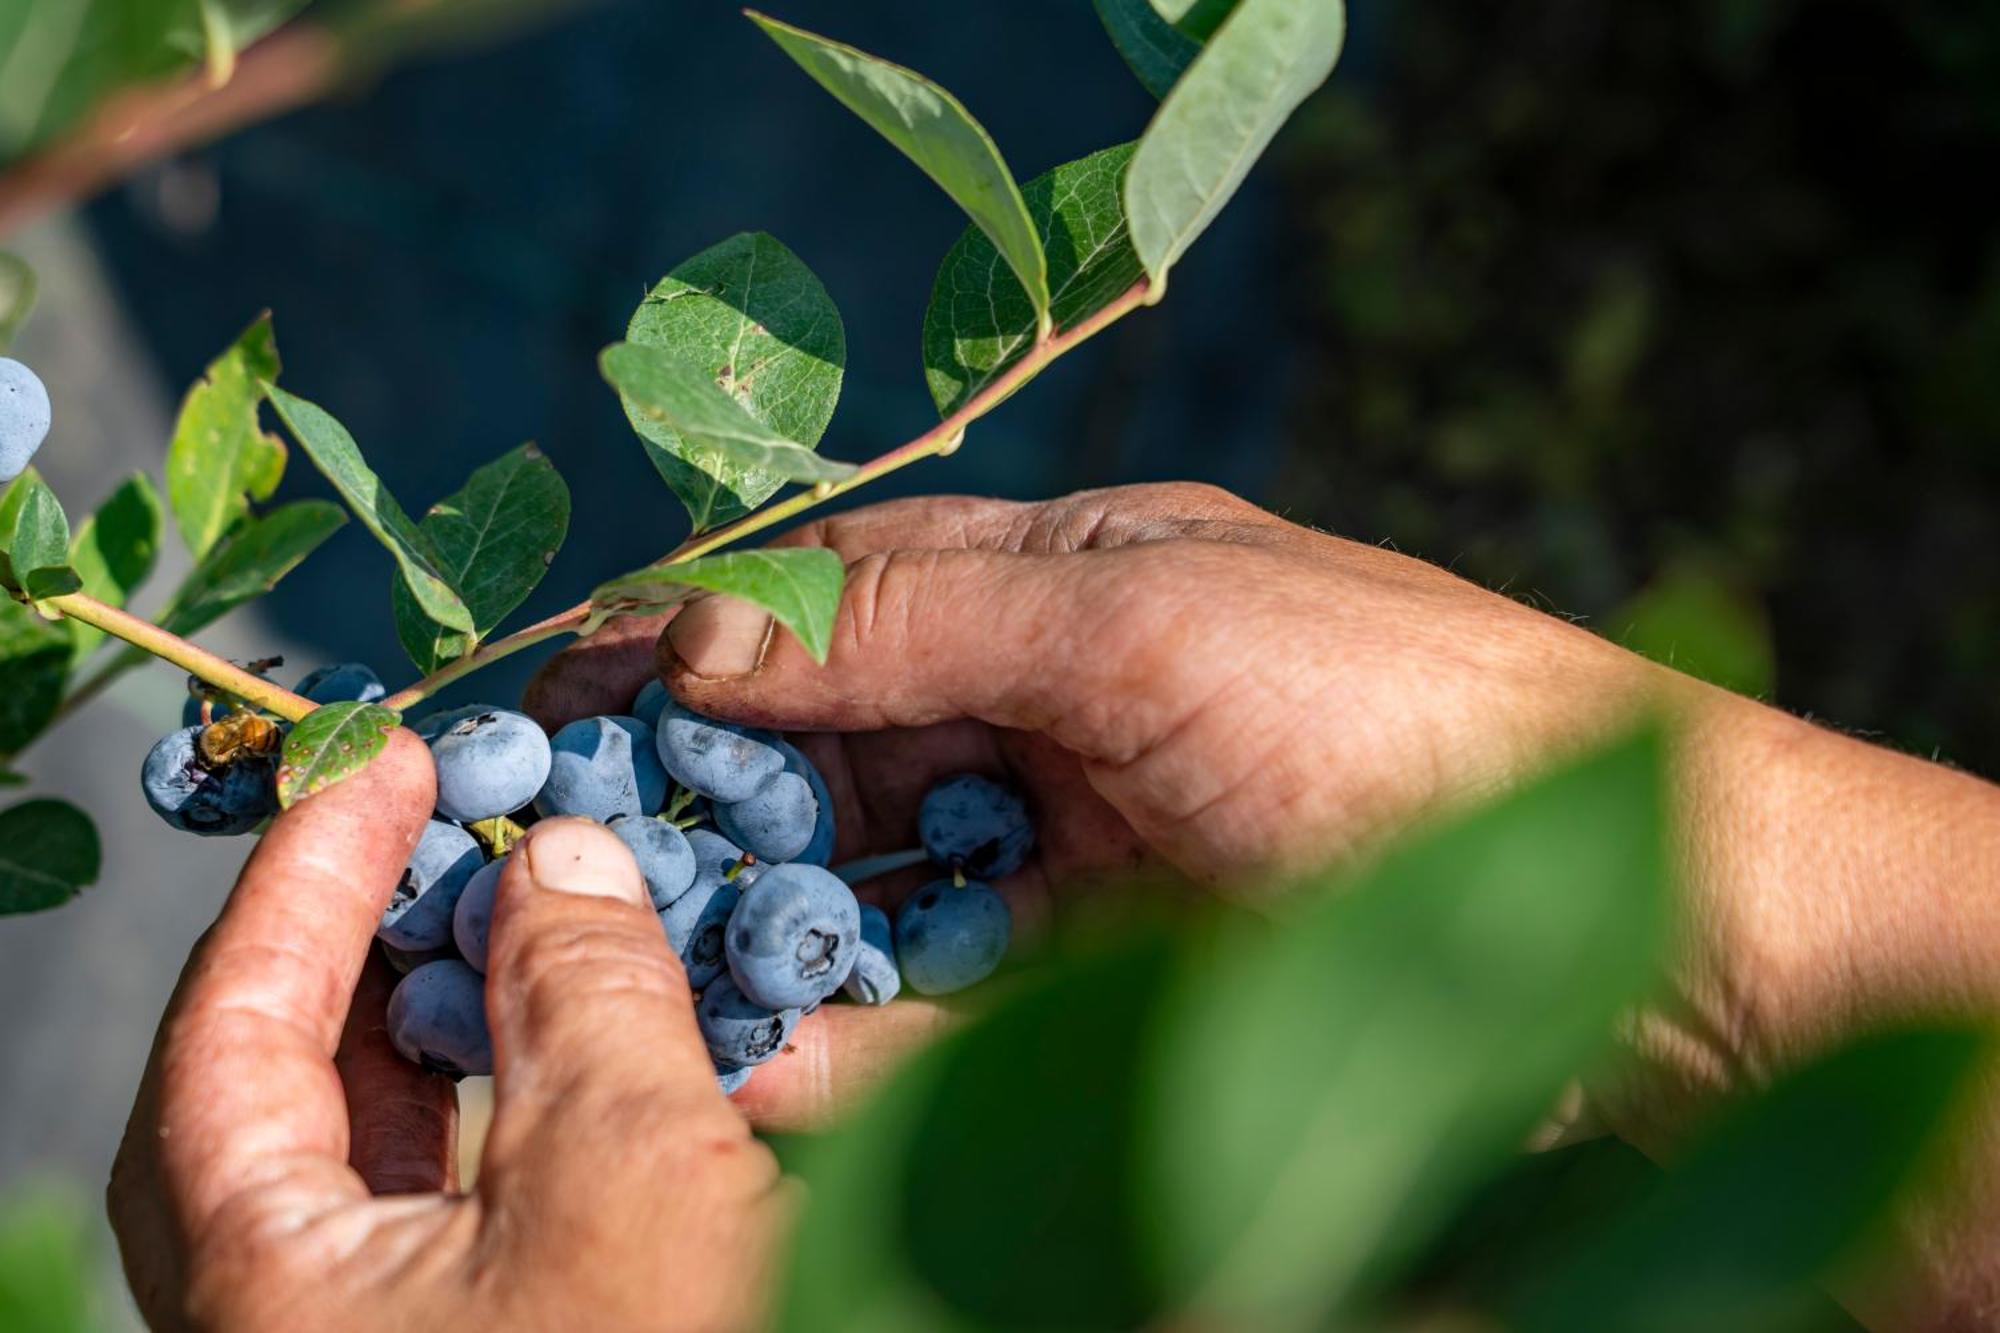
(34, 540)
(332, 742)
(1155, 49)
(48, 854)
(249, 561)
(799, 585)
(221, 458)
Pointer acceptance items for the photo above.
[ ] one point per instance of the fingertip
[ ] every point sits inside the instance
(573, 855)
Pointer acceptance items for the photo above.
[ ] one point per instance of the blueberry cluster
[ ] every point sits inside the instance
(732, 829)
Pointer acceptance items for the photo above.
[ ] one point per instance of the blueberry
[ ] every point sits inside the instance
(437, 1017)
(776, 824)
(433, 724)
(738, 1031)
(818, 851)
(731, 1077)
(472, 919)
(346, 682)
(419, 913)
(197, 799)
(793, 937)
(719, 760)
(488, 763)
(24, 418)
(713, 853)
(976, 825)
(652, 701)
(601, 767)
(663, 854)
(696, 923)
(874, 979)
(948, 937)
(407, 961)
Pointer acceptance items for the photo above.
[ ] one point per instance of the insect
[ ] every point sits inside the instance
(242, 735)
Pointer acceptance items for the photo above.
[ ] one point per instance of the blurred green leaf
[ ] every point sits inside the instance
(1768, 1202)
(751, 315)
(334, 741)
(496, 538)
(799, 585)
(1696, 623)
(250, 561)
(1155, 49)
(46, 1273)
(48, 854)
(980, 321)
(34, 540)
(113, 553)
(34, 664)
(934, 130)
(17, 297)
(338, 458)
(1333, 1086)
(1221, 116)
(1197, 19)
(221, 458)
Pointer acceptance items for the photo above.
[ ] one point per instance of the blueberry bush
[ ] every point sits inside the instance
(1311, 1117)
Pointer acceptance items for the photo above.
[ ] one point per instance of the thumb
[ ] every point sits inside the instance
(1058, 643)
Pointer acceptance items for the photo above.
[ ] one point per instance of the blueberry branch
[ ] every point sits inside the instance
(937, 442)
(143, 634)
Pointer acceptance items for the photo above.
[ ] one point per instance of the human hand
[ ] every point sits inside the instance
(279, 1172)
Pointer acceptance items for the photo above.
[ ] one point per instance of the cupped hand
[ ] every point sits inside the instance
(284, 1168)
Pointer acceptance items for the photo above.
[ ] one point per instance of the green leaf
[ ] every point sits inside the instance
(338, 458)
(980, 321)
(334, 741)
(1219, 118)
(34, 665)
(221, 458)
(665, 390)
(799, 585)
(751, 315)
(249, 561)
(1155, 49)
(1196, 19)
(933, 130)
(34, 540)
(48, 1273)
(1695, 622)
(1737, 1234)
(496, 538)
(1330, 1088)
(48, 854)
(113, 552)
(17, 297)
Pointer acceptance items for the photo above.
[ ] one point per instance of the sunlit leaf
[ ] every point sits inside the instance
(333, 742)
(799, 585)
(34, 540)
(221, 458)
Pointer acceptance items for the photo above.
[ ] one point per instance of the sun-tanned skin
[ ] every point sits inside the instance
(1175, 678)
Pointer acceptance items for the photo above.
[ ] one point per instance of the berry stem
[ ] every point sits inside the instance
(874, 867)
(224, 675)
(937, 442)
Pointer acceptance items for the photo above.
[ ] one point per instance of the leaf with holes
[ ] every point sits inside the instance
(935, 131)
(1261, 63)
(113, 552)
(221, 458)
(799, 585)
(334, 741)
(49, 853)
(250, 561)
(496, 538)
(1155, 49)
(980, 321)
(749, 313)
(335, 454)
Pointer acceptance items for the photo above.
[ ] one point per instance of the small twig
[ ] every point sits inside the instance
(222, 674)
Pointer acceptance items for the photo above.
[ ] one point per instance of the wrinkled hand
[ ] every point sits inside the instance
(281, 1173)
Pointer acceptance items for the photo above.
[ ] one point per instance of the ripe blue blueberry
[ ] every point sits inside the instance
(198, 799)
(432, 725)
(793, 937)
(874, 979)
(731, 1077)
(719, 760)
(949, 937)
(472, 919)
(662, 851)
(407, 961)
(976, 825)
(818, 851)
(437, 1017)
(602, 767)
(650, 703)
(24, 418)
(419, 913)
(489, 763)
(739, 1031)
(776, 824)
(345, 682)
(696, 921)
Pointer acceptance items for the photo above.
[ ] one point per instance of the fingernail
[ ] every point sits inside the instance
(577, 856)
(720, 637)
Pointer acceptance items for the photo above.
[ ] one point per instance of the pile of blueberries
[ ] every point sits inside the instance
(732, 828)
